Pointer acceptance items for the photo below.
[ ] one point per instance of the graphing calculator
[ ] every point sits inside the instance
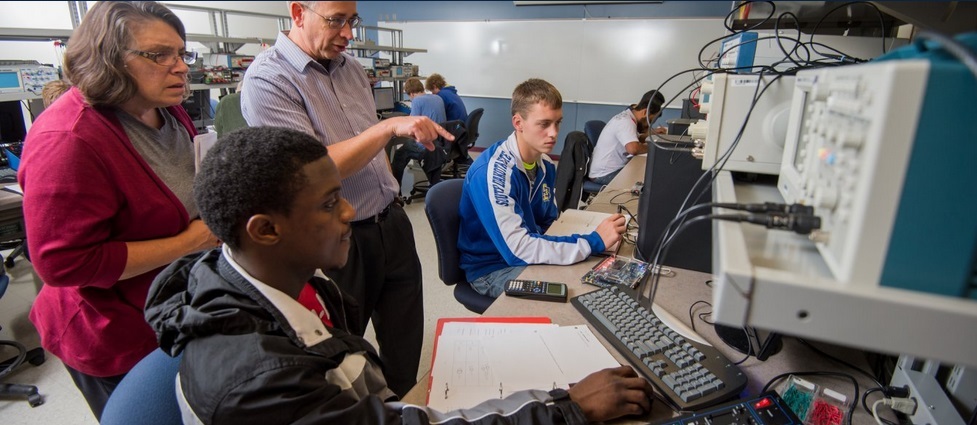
(537, 290)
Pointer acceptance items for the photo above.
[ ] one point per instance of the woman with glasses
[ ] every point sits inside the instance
(107, 174)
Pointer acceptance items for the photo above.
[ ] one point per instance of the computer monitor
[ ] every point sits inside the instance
(384, 98)
(669, 176)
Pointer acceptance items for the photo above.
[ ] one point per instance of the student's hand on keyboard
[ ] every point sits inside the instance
(612, 393)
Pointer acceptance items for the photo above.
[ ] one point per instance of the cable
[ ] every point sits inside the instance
(875, 411)
(749, 4)
(955, 48)
(849, 365)
(798, 223)
(29, 110)
(870, 411)
(691, 319)
(713, 171)
(818, 24)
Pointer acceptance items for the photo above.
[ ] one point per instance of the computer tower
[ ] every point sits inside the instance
(669, 176)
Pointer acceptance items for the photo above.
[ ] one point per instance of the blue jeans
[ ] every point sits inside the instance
(604, 180)
(410, 150)
(493, 283)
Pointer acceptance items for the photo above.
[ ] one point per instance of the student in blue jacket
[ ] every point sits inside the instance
(508, 200)
(453, 104)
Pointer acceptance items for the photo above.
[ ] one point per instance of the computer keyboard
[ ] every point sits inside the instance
(690, 375)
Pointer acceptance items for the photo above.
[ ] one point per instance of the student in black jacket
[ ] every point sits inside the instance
(264, 341)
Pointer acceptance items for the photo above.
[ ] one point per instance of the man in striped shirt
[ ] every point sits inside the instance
(307, 82)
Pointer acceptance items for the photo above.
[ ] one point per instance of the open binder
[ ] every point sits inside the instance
(477, 359)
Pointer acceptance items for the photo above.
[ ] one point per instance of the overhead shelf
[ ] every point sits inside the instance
(51, 34)
(208, 38)
(359, 45)
(34, 34)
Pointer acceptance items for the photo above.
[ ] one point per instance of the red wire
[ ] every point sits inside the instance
(692, 97)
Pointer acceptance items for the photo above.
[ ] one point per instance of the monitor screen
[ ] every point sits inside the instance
(384, 98)
(9, 80)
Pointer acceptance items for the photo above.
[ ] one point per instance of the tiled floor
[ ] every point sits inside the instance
(64, 405)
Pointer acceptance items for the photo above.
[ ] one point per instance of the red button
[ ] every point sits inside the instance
(762, 403)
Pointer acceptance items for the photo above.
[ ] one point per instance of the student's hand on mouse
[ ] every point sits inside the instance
(421, 129)
(611, 228)
(612, 393)
(661, 130)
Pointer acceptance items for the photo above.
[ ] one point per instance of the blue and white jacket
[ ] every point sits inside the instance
(503, 219)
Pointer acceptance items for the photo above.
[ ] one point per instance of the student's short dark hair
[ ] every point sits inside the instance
(533, 91)
(252, 171)
(652, 99)
(95, 59)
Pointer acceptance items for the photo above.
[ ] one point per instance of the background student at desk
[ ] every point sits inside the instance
(624, 136)
(509, 194)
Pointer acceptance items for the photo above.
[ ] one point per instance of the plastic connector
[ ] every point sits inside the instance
(896, 392)
(903, 404)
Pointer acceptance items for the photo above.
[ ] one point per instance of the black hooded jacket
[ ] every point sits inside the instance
(244, 364)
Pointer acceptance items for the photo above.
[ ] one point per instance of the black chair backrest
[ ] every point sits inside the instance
(592, 129)
(572, 170)
(453, 150)
(472, 124)
(441, 207)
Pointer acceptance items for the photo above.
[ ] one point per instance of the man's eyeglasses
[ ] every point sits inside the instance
(168, 59)
(338, 23)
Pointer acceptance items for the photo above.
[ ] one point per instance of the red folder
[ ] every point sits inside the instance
(443, 320)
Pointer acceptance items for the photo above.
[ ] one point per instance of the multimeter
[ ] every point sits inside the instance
(537, 290)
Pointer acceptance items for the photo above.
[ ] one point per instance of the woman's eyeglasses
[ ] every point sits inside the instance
(168, 59)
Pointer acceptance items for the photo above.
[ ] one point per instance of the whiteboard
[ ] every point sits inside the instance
(603, 61)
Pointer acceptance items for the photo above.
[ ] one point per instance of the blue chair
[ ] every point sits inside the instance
(147, 394)
(442, 212)
(592, 129)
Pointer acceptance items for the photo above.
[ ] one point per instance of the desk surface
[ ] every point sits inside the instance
(675, 296)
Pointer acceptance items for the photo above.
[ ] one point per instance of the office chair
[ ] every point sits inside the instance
(434, 161)
(147, 394)
(571, 172)
(592, 129)
(460, 159)
(442, 213)
(34, 357)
